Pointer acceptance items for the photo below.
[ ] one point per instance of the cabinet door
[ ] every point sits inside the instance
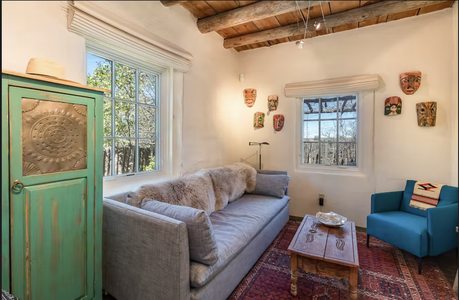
(52, 195)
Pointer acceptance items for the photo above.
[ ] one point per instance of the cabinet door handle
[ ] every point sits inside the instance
(15, 183)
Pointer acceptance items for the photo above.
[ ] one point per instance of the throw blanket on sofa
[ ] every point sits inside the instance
(425, 195)
(208, 189)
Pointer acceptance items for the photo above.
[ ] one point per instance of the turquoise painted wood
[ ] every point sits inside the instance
(55, 151)
(5, 191)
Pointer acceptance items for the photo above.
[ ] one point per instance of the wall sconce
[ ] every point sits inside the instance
(259, 151)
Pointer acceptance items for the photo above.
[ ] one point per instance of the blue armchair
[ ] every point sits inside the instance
(419, 232)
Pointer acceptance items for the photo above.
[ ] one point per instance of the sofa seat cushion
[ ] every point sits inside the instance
(401, 229)
(234, 228)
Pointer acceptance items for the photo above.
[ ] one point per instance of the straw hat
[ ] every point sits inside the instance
(41, 66)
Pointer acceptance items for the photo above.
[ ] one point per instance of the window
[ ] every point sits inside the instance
(330, 131)
(130, 116)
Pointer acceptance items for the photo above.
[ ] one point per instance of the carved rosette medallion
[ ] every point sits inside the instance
(53, 136)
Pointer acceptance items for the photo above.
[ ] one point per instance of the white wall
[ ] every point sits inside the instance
(402, 149)
(454, 100)
(39, 29)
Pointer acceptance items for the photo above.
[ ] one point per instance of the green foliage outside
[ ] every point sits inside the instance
(125, 89)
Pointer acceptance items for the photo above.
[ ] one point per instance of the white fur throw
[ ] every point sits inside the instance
(209, 189)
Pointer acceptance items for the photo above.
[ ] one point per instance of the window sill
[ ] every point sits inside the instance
(121, 184)
(330, 170)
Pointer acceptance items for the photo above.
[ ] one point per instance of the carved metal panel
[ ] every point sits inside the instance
(53, 136)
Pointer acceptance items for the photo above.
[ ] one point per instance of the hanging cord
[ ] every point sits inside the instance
(323, 17)
(307, 17)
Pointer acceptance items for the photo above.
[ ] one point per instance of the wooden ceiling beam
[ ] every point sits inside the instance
(249, 13)
(169, 3)
(360, 14)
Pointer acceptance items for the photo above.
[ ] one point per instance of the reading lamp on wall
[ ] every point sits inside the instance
(259, 151)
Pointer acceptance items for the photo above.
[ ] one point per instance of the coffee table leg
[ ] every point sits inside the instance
(294, 268)
(353, 280)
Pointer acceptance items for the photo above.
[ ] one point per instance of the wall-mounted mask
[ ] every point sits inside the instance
(410, 82)
(278, 122)
(427, 113)
(258, 119)
(393, 106)
(250, 95)
(273, 102)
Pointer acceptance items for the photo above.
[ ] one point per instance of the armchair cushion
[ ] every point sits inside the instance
(401, 229)
(448, 195)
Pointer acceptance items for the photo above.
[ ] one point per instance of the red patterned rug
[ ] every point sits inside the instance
(386, 272)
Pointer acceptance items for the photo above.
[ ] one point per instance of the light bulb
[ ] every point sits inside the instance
(317, 25)
(299, 44)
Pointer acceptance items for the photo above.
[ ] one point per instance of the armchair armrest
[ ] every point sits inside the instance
(145, 255)
(389, 201)
(441, 227)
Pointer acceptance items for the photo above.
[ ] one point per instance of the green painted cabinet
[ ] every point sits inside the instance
(51, 188)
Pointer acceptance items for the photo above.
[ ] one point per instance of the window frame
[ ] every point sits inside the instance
(363, 152)
(337, 119)
(158, 119)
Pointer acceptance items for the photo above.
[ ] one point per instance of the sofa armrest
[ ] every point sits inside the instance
(441, 227)
(389, 201)
(145, 255)
(121, 197)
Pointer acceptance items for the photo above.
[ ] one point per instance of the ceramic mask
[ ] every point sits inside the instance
(273, 102)
(393, 106)
(427, 113)
(258, 119)
(250, 95)
(278, 122)
(410, 82)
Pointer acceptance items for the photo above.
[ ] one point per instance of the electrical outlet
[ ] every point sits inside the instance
(321, 199)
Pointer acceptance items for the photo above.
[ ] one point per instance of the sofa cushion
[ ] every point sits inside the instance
(271, 185)
(234, 228)
(201, 239)
(404, 230)
(448, 195)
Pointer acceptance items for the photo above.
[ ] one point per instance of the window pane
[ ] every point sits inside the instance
(99, 72)
(347, 130)
(107, 117)
(329, 108)
(311, 130)
(328, 153)
(107, 157)
(311, 109)
(147, 121)
(347, 154)
(348, 107)
(124, 156)
(311, 153)
(328, 131)
(124, 82)
(124, 119)
(147, 88)
(147, 155)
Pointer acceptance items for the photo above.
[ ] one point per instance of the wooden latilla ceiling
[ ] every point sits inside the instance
(247, 25)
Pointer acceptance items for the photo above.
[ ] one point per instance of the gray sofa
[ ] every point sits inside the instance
(146, 255)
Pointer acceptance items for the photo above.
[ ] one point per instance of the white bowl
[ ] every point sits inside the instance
(331, 219)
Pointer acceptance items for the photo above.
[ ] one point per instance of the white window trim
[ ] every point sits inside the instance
(364, 150)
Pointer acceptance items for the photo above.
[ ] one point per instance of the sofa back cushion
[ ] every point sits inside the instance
(201, 239)
(448, 195)
(194, 190)
(271, 185)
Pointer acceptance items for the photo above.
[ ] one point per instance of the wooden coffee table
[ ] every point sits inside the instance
(326, 251)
